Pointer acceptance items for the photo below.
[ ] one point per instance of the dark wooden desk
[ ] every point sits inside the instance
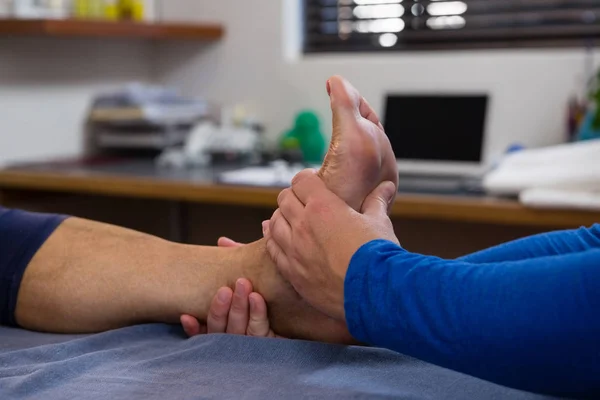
(123, 193)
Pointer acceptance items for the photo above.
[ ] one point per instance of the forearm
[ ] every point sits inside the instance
(542, 245)
(530, 324)
(90, 277)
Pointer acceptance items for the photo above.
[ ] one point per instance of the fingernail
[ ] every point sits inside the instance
(265, 226)
(239, 286)
(329, 87)
(223, 296)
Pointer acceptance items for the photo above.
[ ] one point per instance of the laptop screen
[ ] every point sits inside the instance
(437, 128)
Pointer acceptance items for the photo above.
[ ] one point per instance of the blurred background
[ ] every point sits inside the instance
(175, 116)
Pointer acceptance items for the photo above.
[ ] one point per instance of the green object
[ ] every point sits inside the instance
(589, 128)
(594, 96)
(306, 136)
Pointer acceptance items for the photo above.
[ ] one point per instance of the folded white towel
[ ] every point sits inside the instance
(583, 177)
(574, 167)
(560, 199)
(568, 153)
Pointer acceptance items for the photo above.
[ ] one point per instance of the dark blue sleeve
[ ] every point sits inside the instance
(546, 244)
(21, 235)
(532, 324)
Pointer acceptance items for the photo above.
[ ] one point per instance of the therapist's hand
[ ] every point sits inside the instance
(238, 312)
(314, 234)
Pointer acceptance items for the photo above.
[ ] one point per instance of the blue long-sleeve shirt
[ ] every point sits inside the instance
(525, 314)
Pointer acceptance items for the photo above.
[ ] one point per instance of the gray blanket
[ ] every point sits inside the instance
(157, 362)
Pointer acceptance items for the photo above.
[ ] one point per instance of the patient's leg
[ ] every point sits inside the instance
(90, 277)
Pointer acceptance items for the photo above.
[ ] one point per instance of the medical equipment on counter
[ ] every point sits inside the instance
(207, 142)
(143, 117)
(278, 174)
(147, 103)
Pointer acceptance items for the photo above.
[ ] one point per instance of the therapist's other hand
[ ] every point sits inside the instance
(242, 312)
(239, 312)
(190, 324)
(314, 234)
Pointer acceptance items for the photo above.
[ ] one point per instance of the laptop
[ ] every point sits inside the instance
(438, 139)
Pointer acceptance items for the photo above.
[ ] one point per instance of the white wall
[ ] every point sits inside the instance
(46, 86)
(529, 88)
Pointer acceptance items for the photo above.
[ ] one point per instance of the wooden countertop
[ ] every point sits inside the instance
(450, 208)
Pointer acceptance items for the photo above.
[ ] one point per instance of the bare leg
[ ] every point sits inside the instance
(90, 277)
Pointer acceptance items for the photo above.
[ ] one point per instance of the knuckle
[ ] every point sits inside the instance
(317, 207)
(216, 315)
(283, 196)
(302, 228)
(238, 308)
(304, 176)
(275, 217)
(253, 330)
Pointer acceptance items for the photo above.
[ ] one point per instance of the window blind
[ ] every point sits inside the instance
(383, 25)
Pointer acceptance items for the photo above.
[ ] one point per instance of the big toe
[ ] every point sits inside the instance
(347, 102)
(344, 97)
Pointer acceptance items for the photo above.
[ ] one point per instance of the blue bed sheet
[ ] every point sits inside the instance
(157, 362)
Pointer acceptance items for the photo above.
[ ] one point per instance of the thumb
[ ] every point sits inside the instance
(377, 203)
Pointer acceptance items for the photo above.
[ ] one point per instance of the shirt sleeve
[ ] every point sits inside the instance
(21, 235)
(532, 324)
(546, 244)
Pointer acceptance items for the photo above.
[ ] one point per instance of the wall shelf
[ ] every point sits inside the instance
(105, 29)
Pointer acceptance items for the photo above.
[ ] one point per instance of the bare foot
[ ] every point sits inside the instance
(360, 156)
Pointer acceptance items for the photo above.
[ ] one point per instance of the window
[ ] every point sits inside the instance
(383, 25)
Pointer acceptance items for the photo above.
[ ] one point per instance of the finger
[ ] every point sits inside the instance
(291, 208)
(226, 242)
(258, 324)
(378, 201)
(280, 231)
(239, 312)
(219, 311)
(366, 111)
(273, 249)
(307, 185)
(279, 258)
(191, 326)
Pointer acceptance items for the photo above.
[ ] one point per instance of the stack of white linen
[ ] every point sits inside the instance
(564, 176)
